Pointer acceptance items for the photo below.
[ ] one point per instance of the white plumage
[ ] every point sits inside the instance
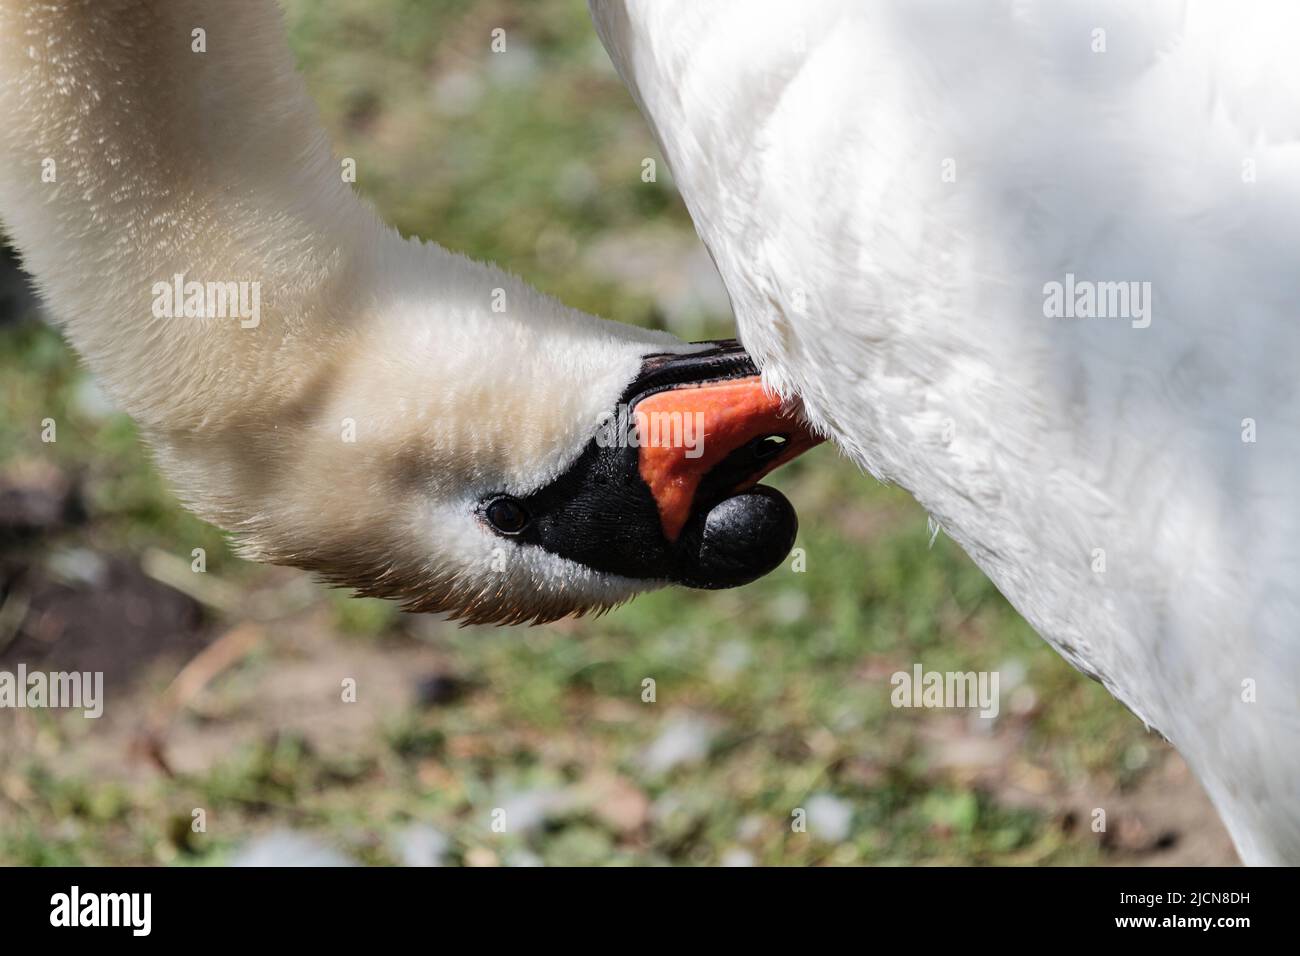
(890, 190)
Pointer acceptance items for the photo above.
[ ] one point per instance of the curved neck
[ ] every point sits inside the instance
(147, 141)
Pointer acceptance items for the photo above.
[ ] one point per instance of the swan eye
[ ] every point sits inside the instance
(506, 515)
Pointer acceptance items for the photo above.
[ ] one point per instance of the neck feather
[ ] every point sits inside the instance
(132, 156)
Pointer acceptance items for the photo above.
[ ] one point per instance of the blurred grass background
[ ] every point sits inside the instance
(769, 699)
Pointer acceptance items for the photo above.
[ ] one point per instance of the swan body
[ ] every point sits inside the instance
(894, 194)
(388, 394)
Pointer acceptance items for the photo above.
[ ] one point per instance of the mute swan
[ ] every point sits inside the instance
(383, 412)
(898, 196)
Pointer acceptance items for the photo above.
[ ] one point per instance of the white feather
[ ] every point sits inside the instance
(814, 145)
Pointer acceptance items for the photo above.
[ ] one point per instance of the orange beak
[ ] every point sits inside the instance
(720, 436)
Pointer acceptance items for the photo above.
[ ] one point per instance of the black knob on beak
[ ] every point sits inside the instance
(740, 539)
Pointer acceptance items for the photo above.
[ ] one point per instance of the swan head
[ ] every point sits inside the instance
(389, 415)
(510, 470)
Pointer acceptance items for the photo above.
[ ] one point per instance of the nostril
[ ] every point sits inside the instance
(768, 446)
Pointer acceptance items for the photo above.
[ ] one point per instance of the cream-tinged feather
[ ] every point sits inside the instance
(353, 430)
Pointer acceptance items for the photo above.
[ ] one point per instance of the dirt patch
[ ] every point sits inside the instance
(1163, 819)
